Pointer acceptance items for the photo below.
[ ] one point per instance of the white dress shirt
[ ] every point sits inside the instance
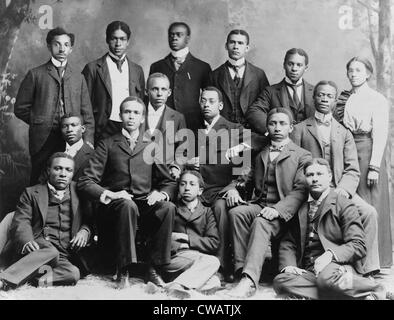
(73, 149)
(154, 116)
(209, 126)
(58, 64)
(274, 154)
(119, 85)
(323, 131)
(241, 70)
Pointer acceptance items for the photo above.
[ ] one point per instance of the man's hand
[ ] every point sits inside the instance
(342, 192)
(372, 178)
(155, 196)
(180, 237)
(233, 198)
(175, 172)
(234, 151)
(269, 213)
(80, 240)
(30, 247)
(322, 261)
(294, 270)
(109, 196)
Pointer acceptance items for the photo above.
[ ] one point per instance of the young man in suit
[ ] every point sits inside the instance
(187, 74)
(49, 227)
(325, 138)
(292, 93)
(320, 256)
(111, 79)
(279, 191)
(131, 188)
(163, 123)
(46, 94)
(238, 79)
(195, 240)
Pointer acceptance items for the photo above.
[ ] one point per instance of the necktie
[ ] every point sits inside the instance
(294, 87)
(132, 143)
(60, 71)
(313, 207)
(118, 62)
(58, 194)
(178, 62)
(237, 77)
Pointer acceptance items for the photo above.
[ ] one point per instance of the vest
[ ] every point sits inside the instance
(270, 194)
(57, 227)
(237, 114)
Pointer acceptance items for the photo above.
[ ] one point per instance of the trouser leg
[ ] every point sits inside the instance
(290, 284)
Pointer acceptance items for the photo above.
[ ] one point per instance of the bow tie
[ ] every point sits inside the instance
(118, 62)
(276, 149)
(326, 123)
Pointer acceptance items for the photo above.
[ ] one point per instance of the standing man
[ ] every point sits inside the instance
(111, 79)
(49, 227)
(321, 253)
(325, 138)
(46, 94)
(187, 74)
(238, 79)
(128, 186)
(280, 190)
(292, 93)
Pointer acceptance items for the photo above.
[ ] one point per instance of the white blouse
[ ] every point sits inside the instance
(368, 111)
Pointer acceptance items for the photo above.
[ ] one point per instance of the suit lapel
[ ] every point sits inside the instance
(41, 194)
(104, 73)
(283, 95)
(142, 141)
(312, 128)
(329, 201)
(303, 220)
(223, 79)
(121, 141)
(74, 199)
(248, 75)
(67, 72)
(52, 71)
(308, 96)
(167, 115)
(188, 58)
(185, 213)
(169, 62)
(132, 75)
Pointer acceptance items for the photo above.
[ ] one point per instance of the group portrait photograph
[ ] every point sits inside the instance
(210, 150)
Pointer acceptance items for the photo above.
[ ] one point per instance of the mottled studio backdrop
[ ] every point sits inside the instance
(330, 31)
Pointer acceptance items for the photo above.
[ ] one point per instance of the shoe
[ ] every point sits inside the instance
(175, 290)
(155, 278)
(4, 286)
(244, 289)
(122, 281)
(390, 295)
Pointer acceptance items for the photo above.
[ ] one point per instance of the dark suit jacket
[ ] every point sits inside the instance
(276, 96)
(344, 161)
(290, 178)
(200, 226)
(185, 84)
(340, 230)
(100, 89)
(254, 82)
(31, 212)
(115, 167)
(81, 160)
(37, 100)
(169, 124)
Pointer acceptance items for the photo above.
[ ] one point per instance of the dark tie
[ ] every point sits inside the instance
(294, 87)
(60, 71)
(132, 143)
(118, 62)
(237, 77)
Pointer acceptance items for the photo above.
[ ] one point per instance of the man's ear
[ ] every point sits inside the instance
(83, 129)
(220, 106)
(169, 91)
(291, 128)
(200, 191)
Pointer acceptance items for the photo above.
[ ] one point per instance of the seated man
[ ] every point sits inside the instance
(320, 256)
(49, 227)
(131, 188)
(325, 138)
(279, 191)
(195, 240)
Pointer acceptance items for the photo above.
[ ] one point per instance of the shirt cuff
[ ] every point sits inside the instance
(246, 145)
(166, 194)
(87, 230)
(103, 197)
(24, 247)
(334, 256)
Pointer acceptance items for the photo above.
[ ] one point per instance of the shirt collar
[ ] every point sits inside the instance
(239, 62)
(280, 144)
(76, 146)
(214, 120)
(323, 117)
(322, 196)
(116, 57)
(55, 191)
(133, 136)
(57, 63)
(180, 53)
(195, 203)
(152, 110)
(289, 81)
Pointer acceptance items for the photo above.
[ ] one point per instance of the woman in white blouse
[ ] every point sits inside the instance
(366, 114)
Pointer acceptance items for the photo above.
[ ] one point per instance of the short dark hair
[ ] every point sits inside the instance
(320, 161)
(212, 88)
(117, 25)
(280, 110)
(324, 83)
(194, 173)
(182, 24)
(238, 31)
(133, 98)
(70, 115)
(58, 155)
(298, 51)
(157, 75)
(363, 60)
(58, 31)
